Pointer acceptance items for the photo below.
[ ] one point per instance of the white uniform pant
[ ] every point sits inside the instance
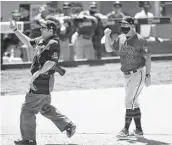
(134, 84)
(66, 52)
(84, 48)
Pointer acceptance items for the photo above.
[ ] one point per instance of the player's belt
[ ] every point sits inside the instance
(130, 72)
(133, 71)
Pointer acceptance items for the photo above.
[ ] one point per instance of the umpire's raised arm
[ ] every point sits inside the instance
(26, 40)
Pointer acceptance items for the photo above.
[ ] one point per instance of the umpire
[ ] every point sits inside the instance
(38, 99)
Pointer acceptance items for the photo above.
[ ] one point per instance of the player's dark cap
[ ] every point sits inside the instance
(115, 3)
(127, 20)
(66, 5)
(145, 4)
(93, 5)
(48, 24)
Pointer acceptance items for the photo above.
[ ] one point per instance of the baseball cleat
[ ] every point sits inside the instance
(138, 133)
(123, 134)
(25, 142)
(70, 130)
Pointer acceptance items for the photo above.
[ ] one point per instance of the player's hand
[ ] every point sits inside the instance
(147, 81)
(13, 24)
(107, 31)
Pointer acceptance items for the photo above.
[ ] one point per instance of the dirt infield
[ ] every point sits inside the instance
(99, 116)
(82, 77)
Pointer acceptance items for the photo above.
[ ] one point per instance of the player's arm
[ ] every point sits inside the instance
(74, 37)
(101, 16)
(147, 56)
(148, 63)
(110, 45)
(84, 14)
(26, 40)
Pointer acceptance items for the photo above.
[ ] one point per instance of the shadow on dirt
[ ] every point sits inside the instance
(148, 141)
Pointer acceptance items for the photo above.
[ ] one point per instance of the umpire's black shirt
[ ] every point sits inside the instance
(48, 49)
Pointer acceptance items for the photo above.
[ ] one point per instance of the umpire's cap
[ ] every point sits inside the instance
(127, 20)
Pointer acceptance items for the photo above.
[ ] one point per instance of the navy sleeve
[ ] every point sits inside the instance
(35, 41)
(54, 52)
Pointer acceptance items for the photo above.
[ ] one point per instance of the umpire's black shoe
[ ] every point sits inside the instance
(70, 130)
(25, 142)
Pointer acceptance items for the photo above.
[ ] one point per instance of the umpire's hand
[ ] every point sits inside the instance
(13, 24)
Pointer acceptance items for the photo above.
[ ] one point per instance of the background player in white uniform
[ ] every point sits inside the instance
(82, 38)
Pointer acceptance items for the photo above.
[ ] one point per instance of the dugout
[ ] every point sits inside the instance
(130, 7)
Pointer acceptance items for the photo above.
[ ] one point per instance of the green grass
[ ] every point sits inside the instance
(17, 81)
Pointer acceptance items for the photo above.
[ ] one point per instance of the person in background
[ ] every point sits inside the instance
(67, 29)
(13, 52)
(113, 21)
(117, 11)
(24, 10)
(43, 12)
(101, 22)
(85, 25)
(146, 31)
(16, 15)
(98, 33)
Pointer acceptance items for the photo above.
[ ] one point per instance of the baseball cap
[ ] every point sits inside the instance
(146, 4)
(43, 8)
(55, 20)
(127, 20)
(93, 4)
(117, 3)
(66, 5)
(49, 24)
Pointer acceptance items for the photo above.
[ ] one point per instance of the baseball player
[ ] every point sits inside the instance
(136, 67)
(113, 19)
(38, 99)
(66, 32)
(82, 38)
